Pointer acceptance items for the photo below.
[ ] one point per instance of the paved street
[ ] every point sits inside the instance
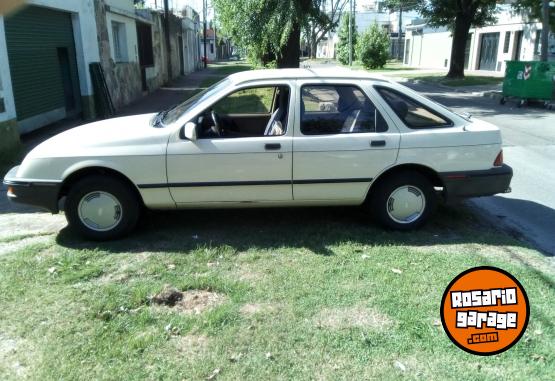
(529, 147)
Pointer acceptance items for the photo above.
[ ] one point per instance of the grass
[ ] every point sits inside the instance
(307, 294)
(468, 80)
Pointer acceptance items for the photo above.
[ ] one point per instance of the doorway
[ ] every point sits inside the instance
(488, 51)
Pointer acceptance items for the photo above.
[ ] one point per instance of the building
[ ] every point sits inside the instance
(513, 37)
(48, 48)
(364, 20)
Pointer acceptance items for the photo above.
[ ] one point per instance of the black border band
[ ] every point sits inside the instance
(252, 183)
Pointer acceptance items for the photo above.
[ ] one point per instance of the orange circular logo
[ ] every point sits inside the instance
(485, 310)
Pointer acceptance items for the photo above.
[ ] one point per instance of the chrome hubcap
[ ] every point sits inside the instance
(100, 211)
(406, 204)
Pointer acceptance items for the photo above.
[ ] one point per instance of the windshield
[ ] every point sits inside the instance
(176, 112)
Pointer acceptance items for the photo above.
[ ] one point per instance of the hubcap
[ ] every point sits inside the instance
(406, 204)
(100, 211)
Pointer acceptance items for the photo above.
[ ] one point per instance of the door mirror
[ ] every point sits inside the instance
(190, 131)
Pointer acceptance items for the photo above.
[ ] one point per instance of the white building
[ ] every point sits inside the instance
(513, 37)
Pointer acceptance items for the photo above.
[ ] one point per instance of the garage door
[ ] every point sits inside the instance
(41, 53)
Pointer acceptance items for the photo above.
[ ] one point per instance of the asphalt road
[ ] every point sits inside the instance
(529, 147)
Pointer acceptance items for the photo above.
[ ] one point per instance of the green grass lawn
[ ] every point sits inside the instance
(469, 80)
(276, 294)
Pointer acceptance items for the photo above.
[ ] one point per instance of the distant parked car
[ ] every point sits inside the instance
(293, 137)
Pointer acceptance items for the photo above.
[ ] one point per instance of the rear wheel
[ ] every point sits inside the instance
(101, 208)
(403, 201)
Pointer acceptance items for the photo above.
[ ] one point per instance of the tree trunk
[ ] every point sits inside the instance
(289, 55)
(460, 35)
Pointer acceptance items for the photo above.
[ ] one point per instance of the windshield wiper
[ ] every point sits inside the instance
(158, 118)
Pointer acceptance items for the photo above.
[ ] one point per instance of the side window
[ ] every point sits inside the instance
(413, 113)
(250, 112)
(338, 109)
(256, 100)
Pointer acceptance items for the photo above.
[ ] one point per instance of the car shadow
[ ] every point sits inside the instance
(314, 229)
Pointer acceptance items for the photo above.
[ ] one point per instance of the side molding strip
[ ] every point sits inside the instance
(248, 183)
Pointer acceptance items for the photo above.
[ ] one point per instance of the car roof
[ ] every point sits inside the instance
(305, 73)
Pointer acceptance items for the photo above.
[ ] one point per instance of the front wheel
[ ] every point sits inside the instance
(101, 208)
(403, 201)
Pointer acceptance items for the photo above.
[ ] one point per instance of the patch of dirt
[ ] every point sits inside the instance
(363, 317)
(191, 345)
(258, 308)
(14, 357)
(247, 273)
(11, 246)
(30, 224)
(190, 302)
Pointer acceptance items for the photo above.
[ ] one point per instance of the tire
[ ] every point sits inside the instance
(89, 199)
(418, 192)
(502, 101)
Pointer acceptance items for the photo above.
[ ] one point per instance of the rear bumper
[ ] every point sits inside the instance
(41, 194)
(458, 185)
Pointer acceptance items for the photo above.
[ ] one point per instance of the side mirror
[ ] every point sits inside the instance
(190, 131)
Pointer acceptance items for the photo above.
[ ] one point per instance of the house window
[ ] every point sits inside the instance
(211, 47)
(538, 42)
(506, 42)
(119, 41)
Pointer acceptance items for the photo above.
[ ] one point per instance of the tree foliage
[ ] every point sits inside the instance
(405, 5)
(533, 8)
(373, 47)
(323, 19)
(458, 16)
(268, 29)
(342, 50)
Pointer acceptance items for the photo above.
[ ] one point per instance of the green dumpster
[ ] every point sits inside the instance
(529, 80)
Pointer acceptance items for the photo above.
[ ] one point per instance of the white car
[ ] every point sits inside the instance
(266, 138)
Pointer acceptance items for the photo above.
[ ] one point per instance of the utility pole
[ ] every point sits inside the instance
(204, 6)
(350, 33)
(400, 33)
(167, 37)
(545, 30)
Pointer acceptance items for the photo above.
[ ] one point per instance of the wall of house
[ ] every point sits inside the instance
(123, 77)
(9, 135)
(86, 51)
(431, 48)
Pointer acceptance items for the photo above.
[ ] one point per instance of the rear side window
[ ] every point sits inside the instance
(338, 109)
(413, 113)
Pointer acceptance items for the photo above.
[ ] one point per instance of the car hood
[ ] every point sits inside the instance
(130, 135)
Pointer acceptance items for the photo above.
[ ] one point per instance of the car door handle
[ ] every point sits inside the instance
(272, 146)
(377, 143)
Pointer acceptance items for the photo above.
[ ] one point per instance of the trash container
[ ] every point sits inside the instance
(529, 80)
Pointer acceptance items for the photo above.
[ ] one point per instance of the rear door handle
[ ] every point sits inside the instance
(377, 143)
(272, 146)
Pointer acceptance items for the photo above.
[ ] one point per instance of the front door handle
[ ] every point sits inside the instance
(377, 143)
(272, 146)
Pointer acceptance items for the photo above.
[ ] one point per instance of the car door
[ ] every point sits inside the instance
(342, 142)
(235, 168)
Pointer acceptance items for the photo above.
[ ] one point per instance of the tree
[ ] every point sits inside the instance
(373, 47)
(401, 6)
(323, 19)
(458, 16)
(270, 30)
(534, 8)
(343, 44)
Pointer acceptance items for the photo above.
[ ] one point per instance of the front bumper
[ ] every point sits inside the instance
(458, 185)
(42, 194)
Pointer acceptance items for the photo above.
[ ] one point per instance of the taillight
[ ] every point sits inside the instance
(498, 160)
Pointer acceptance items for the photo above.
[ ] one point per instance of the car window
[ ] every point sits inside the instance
(413, 113)
(256, 100)
(338, 109)
(251, 112)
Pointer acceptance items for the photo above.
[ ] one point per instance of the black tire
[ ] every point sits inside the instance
(502, 101)
(381, 192)
(130, 206)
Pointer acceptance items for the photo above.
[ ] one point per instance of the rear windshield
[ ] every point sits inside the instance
(413, 113)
